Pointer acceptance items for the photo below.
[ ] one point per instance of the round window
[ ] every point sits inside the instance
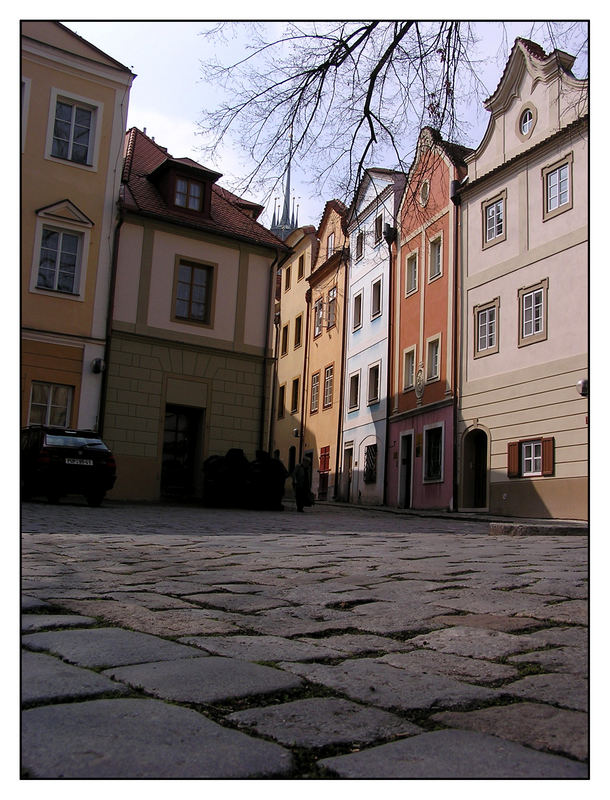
(424, 193)
(527, 121)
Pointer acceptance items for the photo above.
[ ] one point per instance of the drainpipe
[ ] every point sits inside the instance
(389, 234)
(304, 378)
(456, 200)
(276, 322)
(341, 386)
(109, 315)
(267, 359)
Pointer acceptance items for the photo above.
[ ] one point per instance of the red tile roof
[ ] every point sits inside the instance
(230, 215)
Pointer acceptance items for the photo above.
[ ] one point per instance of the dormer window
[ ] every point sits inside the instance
(189, 194)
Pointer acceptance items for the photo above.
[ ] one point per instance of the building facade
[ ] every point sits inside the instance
(74, 101)
(420, 453)
(365, 415)
(522, 423)
(190, 367)
(323, 373)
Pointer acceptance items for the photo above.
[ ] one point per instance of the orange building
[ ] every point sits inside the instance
(420, 451)
(74, 102)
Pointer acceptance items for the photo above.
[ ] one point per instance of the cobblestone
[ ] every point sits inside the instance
(367, 644)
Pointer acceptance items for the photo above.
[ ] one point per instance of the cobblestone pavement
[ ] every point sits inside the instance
(172, 641)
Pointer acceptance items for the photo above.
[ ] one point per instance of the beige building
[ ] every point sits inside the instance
(324, 352)
(190, 369)
(74, 102)
(292, 322)
(522, 421)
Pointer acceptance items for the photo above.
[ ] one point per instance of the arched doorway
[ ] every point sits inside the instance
(474, 469)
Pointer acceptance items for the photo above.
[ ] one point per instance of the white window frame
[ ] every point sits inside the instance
(354, 379)
(539, 295)
(408, 376)
(375, 313)
(377, 240)
(329, 381)
(318, 317)
(96, 108)
(371, 399)
(59, 224)
(431, 375)
(359, 237)
(565, 164)
(531, 458)
(359, 296)
(482, 315)
(412, 258)
(436, 245)
(332, 308)
(330, 244)
(315, 393)
(49, 406)
(425, 477)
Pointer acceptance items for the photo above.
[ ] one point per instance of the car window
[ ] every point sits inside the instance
(56, 440)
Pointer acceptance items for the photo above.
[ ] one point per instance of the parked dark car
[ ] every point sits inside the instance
(59, 461)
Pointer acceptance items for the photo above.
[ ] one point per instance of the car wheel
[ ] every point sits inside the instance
(95, 498)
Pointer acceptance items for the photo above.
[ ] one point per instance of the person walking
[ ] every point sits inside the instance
(301, 481)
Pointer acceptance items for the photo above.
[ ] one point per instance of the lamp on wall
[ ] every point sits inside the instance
(98, 365)
(583, 387)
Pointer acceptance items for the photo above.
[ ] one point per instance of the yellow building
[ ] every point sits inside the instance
(74, 101)
(324, 352)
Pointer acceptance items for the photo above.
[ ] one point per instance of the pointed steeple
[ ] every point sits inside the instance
(284, 226)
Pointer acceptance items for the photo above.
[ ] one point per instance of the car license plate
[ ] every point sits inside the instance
(82, 462)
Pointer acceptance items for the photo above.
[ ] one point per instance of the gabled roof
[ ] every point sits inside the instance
(230, 215)
(332, 205)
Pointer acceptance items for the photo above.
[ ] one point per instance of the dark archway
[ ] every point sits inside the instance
(474, 469)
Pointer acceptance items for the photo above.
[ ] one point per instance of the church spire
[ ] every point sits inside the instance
(283, 226)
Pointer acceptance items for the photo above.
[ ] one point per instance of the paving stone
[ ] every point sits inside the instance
(572, 660)
(264, 648)
(322, 721)
(29, 603)
(104, 647)
(492, 601)
(471, 670)
(453, 755)
(386, 686)
(473, 642)
(567, 691)
(37, 622)
(238, 602)
(570, 637)
(494, 622)
(152, 600)
(356, 643)
(573, 611)
(533, 724)
(45, 678)
(140, 738)
(207, 679)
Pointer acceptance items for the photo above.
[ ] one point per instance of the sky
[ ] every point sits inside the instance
(168, 94)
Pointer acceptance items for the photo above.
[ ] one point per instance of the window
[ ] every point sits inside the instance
(328, 386)
(424, 193)
(408, 380)
(50, 404)
(189, 194)
(72, 132)
(435, 258)
(531, 458)
(376, 299)
(411, 277)
(294, 403)
(433, 360)
(557, 188)
(332, 307)
(315, 392)
(433, 453)
(354, 391)
(59, 260)
(194, 292)
(359, 245)
(318, 312)
(357, 319)
(298, 331)
(301, 267)
(281, 402)
(494, 223)
(370, 463)
(526, 122)
(284, 349)
(533, 313)
(486, 328)
(378, 228)
(330, 245)
(373, 393)
(287, 274)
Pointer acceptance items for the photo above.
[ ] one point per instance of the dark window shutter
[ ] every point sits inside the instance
(548, 456)
(513, 460)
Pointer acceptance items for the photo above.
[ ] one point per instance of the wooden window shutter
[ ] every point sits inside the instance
(513, 460)
(548, 456)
